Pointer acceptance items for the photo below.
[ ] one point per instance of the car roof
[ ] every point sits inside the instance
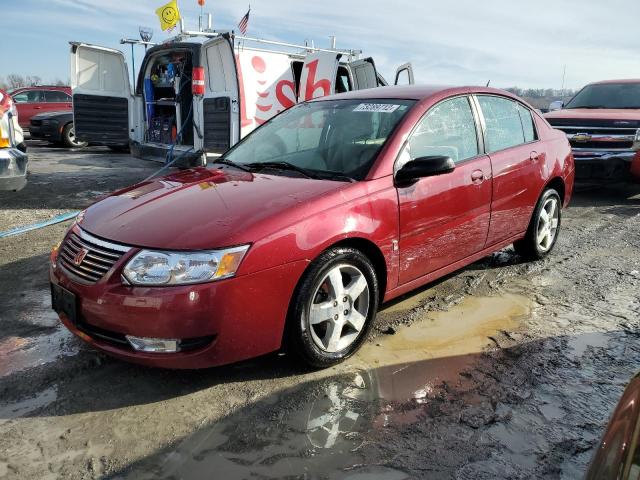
(40, 87)
(624, 80)
(415, 92)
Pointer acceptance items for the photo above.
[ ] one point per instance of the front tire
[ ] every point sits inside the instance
(69, 139)
(333, 307)
(544, 227)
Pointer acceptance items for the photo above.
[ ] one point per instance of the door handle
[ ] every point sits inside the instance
(534, 156)
(37, 108)
(477, 176)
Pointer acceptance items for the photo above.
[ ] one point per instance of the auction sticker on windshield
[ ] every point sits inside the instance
(376, 107)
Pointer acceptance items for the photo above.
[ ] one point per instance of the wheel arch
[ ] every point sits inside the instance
(557, 183)
(368, 248)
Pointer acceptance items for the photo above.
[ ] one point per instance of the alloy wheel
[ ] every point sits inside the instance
(548, 224)
(339, 308)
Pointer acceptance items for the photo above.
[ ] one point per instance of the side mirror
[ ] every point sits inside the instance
(425, 167)
(557, 105)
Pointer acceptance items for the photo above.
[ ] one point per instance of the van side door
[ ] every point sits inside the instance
(517, 158)
(101, 94)
(364, 74)
(319, 74)
(444, 218)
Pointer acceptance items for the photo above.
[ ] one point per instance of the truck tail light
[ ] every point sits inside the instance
(197, 81)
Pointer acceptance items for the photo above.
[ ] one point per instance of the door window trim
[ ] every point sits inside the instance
(483, 121)
(476, 119)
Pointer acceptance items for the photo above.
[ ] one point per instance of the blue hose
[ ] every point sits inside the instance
(34, 226)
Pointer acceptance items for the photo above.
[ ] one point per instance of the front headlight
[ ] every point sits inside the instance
(183, 268)
(636, 141)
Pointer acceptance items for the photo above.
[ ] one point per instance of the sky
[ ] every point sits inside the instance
(523, 43)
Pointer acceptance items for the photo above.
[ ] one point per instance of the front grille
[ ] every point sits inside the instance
(36, 123)
(88, 258)
(598, 137)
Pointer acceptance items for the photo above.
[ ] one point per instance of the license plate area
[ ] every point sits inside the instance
(64, 302)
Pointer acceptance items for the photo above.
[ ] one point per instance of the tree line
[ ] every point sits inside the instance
(14, 80)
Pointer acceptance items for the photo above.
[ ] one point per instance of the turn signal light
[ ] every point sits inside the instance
(197, 81)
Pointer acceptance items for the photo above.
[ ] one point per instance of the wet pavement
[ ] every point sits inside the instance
(503, 370)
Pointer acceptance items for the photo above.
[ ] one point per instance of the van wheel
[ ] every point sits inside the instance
(333, 307)
(69, 139)
(544, 227)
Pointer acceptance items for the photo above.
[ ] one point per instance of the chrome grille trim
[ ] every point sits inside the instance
(100, 256)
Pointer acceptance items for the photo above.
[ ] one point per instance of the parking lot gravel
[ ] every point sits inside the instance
(505, 369)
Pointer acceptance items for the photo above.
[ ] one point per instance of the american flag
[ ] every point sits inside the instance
(244, 23)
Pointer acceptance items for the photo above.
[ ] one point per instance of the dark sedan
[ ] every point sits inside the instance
(55, 127)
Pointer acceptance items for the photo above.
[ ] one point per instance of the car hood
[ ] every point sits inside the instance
(620, 115)
(203, 209)
(47, 115)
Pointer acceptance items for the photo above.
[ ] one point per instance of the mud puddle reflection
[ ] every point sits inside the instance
(20, 353)
(318, 429)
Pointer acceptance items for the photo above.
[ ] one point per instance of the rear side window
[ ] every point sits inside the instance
(56, 96)
(447, 129)
(502, 118)
(527, 123)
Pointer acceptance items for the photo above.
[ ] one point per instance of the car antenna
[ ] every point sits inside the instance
(488, 83)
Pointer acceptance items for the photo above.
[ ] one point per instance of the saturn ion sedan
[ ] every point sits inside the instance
(300, 232)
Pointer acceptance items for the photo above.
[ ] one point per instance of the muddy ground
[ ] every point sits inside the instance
(503, 370)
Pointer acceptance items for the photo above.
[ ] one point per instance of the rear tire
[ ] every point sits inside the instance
(544, 227)
(333, 307)
(69, 139)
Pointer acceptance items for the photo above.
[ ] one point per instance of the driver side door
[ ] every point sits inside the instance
(444, 218)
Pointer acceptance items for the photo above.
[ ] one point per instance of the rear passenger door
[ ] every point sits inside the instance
(28, 103)
(445, 218)
(56, 101)
(516, 159)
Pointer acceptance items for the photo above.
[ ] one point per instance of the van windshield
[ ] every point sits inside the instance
(607, 95)
(324, 139)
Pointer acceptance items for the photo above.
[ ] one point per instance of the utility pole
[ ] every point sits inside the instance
(564, 75)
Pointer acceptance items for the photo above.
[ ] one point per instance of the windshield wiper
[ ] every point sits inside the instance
(224, 161)
(281, 165)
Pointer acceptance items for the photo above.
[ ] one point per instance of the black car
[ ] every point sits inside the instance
(56, 127)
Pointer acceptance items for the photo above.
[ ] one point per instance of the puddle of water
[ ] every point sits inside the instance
(318, 429)
(18, 353)
(580, 343)
(28, 405)
(462, 330)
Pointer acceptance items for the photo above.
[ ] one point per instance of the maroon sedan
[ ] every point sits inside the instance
(298, 233)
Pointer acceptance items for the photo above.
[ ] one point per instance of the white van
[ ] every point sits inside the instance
(198, 94)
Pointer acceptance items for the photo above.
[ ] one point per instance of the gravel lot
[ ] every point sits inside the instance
(503, 370)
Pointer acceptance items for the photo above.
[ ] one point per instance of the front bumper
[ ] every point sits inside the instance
(607, 165)
(50, 131)
(240, 318)
(13, 169)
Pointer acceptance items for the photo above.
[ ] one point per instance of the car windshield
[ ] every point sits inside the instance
(607, 95)
(326, 139)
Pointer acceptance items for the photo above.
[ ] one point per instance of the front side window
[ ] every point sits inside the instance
(56, 96)
(503, 124)
(29, 96)
(331, 137)
(447, 129)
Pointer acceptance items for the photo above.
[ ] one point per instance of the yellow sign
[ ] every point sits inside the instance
(169, 15)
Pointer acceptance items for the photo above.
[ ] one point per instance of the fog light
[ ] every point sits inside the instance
(156, 345)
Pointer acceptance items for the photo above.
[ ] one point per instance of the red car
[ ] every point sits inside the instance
(298, 233)
(31, 101)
